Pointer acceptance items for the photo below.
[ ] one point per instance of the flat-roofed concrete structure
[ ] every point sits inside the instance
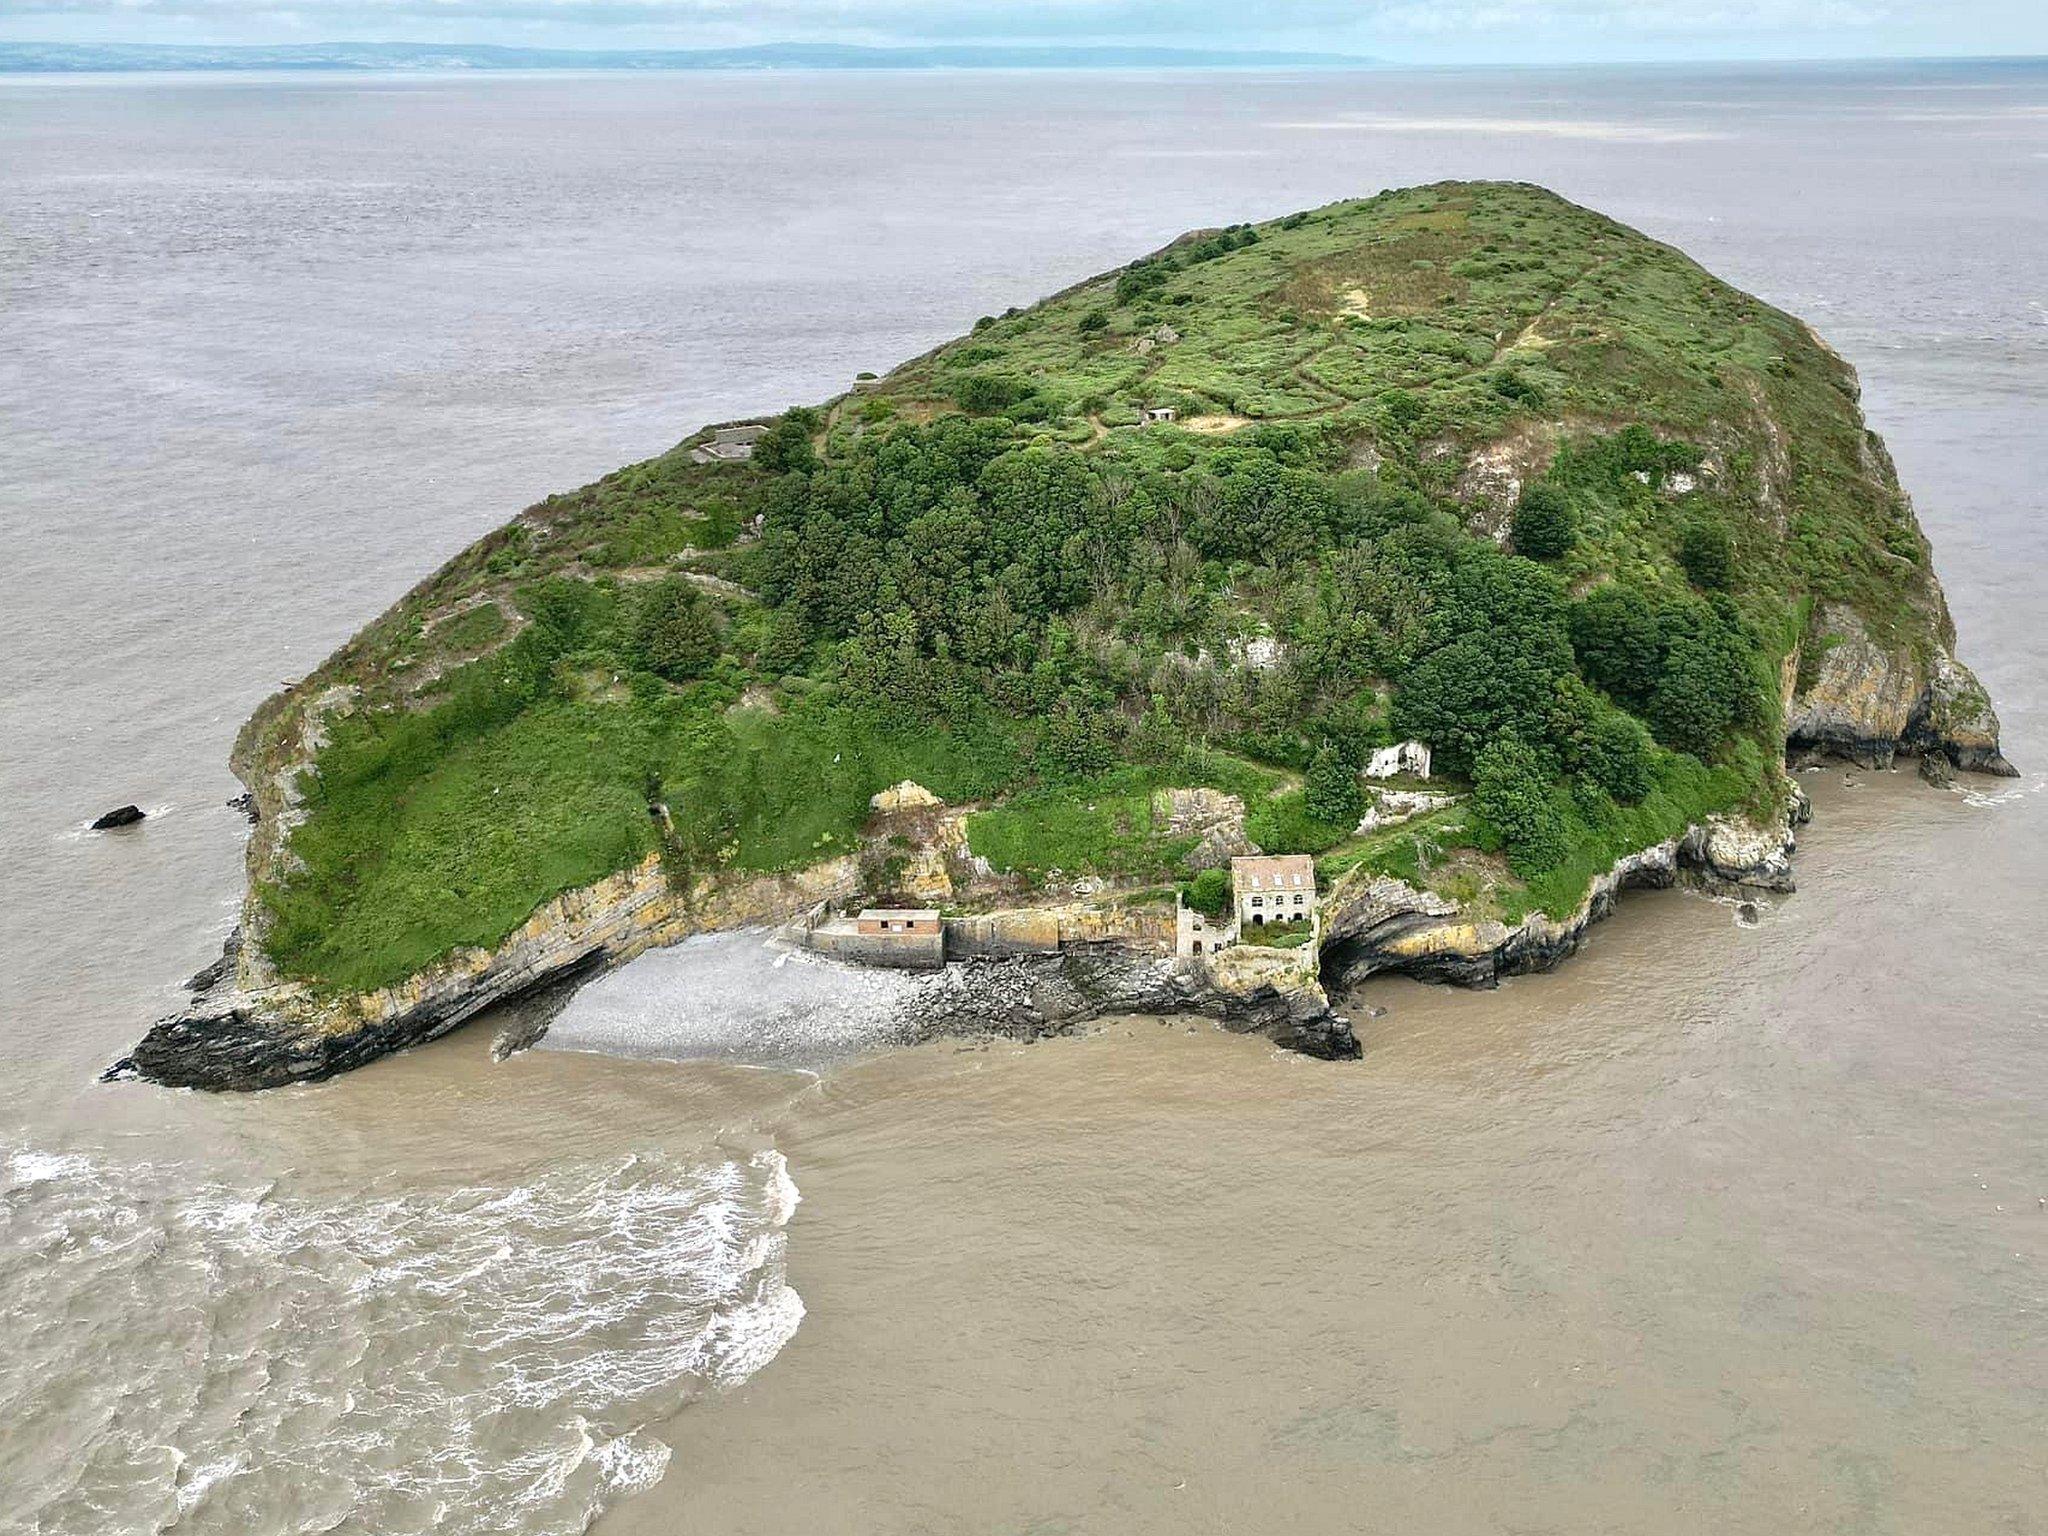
(903, 938)
(897, 920)
(730, 444)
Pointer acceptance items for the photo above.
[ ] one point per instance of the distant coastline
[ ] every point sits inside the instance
(100, 58)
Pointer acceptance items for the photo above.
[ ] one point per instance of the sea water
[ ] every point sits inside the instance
(1718, 1223)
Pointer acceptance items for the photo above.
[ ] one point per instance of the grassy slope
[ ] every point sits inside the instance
(1392, 322)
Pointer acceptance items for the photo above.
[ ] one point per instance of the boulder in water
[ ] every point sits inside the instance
(120, 816)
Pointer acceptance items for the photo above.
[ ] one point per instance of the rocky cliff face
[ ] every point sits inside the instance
(1857, 698)
(243, 1031)
(1030, 972)
(1376, 924)
(1044, 970)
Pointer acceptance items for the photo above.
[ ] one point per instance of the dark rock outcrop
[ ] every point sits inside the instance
(120, 816)
(220, 971)
(237, 1050)
(1033, 996)
(1377, 924)
(1866, 700)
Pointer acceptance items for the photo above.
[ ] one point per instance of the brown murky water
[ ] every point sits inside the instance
(1718, 1228)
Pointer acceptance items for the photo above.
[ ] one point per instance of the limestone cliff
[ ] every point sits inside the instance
(244, 1031)
(1859, 698)
(1375, 924)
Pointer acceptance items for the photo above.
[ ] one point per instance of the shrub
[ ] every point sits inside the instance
(1705, 688)
(1094, 320)
(1209, 892)
(1545, 525)
(1615, 757)
(1510, 385)
(983, 394)
(1331, 791)
(785, 448)
(1077, 742)
(1141, 278)
(1511, 787)
(672, 631)
(786, 644)
(1460, 697)
(1706, 554)
(1618, 641)
(1283, 824)
(565, 612)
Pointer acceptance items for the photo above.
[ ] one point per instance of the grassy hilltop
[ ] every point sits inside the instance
(1461, 462)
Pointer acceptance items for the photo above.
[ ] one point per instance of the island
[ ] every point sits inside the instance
(1455, 558)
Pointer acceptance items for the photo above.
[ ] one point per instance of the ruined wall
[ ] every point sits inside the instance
(1048, 930)
(894, 951)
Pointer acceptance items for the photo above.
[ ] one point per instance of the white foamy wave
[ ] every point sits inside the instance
(1984, 800)
(471, 1359)
(29, 1167)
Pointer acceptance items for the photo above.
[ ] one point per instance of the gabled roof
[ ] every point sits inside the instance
(1274, 872)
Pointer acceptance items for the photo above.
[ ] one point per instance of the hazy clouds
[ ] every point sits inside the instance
(1482, 29)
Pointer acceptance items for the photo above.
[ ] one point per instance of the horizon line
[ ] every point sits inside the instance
(852, 55)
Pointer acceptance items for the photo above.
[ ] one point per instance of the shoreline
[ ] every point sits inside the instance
(224, 1041)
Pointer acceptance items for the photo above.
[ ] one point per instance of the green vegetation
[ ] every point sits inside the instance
(1284, 823)
(1545, 524)
(1287, 935)
(1209, 893)
(981, 572)
(1706, 554)
(1108, 823)
(673, 633)
(1331, 793)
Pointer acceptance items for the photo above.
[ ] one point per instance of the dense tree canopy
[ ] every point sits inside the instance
(952, 569)
(673, 631)
(1545, 524)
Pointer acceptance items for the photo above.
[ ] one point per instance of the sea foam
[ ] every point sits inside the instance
(469, 1359)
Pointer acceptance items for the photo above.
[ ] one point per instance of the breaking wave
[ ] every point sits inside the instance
(186, 1353)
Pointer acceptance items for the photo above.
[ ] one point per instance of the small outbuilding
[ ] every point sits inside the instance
(730, 445)
(1158, 415)
(901, 938)
(1196, 934)
(903, 920)
(1410, 757)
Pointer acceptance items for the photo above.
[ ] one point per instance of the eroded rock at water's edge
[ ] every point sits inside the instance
(235, 1039)
(1029, 997)
(1380, 925)
(120, 816)
(1862, 699)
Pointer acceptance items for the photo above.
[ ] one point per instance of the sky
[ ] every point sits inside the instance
(1405, 31)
